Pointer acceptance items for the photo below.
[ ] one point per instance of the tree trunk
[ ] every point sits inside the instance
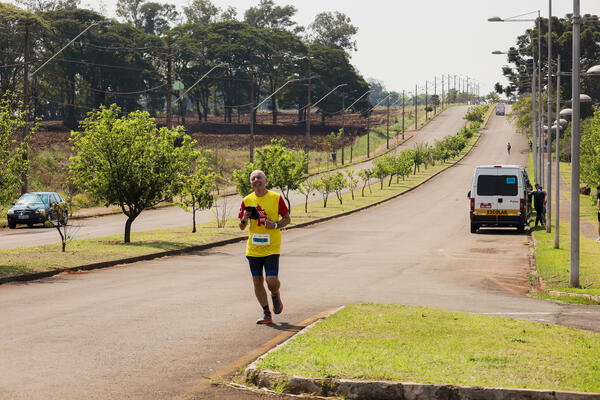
(274, 107)
(215, 109)
(128, 223)
(193, 215)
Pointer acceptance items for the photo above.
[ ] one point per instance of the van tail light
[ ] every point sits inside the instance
(522, 206)
(472, 204)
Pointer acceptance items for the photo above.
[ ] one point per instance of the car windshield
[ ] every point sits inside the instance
(30, 198)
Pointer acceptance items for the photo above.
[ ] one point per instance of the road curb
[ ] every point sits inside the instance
(148, 257)
(383, 390)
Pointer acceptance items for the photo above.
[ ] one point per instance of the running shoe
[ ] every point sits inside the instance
(266, 319)
(277, 304)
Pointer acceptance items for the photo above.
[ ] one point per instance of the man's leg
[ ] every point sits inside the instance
(259, 291)
(272, 273)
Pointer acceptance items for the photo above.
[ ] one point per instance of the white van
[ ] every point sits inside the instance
(499, 197)
(500, 109)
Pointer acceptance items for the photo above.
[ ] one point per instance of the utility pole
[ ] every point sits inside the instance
(557, 141)
(442, 92)
(416, 108)
(575, 142)
(426, 103)
(343, 123)
(549, 137)
(534, 124)
(388, 123)
(403, 98)
(307, 137)
(368, 135)
(435, 94)
(24, 183)
(169, 82)
(468, 97)
(252, 116)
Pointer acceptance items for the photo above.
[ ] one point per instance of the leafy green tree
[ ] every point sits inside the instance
(49, 5)
(334, 30)
(129, 162)
(268, 15)
(352, 180)
(13, 22)
(405, 162)
(332, 141)
(307, 188)
(130, 11)
(339, 183)
(590, 151)
(365, 174)
(325, 185)
(381, 170)
(241, 177)
(476, 113)
(201, 12)
(441, 151)
(157, 17)
(285, 169)
(197, 189)
(420, 156)
(12, 122)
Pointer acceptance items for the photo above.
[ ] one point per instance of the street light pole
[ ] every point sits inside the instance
(534, 125)
(557, 144)
(416, 107)
(403, 114)
(575, 141)
(388, 124)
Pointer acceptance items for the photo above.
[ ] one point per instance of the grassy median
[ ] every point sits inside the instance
(418, 344)
(553, 264)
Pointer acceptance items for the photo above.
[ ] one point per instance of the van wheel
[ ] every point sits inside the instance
(12, 225)
(474, 227)
(521, 228)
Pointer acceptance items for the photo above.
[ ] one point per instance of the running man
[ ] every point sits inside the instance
(261, 210)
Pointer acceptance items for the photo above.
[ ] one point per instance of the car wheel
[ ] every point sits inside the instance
(12, 225)
(30, 224)
(474, 227)
(521, 228)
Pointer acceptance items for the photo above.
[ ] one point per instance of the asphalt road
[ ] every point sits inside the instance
(446, 123)
(155, 330)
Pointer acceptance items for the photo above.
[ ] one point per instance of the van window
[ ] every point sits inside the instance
(497, 185)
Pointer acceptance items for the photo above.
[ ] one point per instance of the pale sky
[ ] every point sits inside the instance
(406, 42)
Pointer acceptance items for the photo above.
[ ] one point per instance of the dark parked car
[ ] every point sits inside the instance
(34, 208)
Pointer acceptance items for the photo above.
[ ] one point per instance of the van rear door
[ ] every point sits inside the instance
(486, 199)
(508, 193)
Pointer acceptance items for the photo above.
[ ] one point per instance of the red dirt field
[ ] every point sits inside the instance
(236, 136)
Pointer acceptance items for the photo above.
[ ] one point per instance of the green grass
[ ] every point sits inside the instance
(418, 344)
(553, 264)
(565, 299)
(80, 252)
(588, 209)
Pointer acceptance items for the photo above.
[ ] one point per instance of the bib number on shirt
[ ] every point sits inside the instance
(261, 239)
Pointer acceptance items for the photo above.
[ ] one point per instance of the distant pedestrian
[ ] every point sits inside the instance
(263, 208)
(508, 148)
(539, 203)
(598, 204)
(530, 145)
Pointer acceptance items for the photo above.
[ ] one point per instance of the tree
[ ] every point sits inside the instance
(590, 151)
(267, 15)
(493, 97)
(334, 30)
(365, 175)
(285, 169)
(202, 12)
(352, 181)
(241, 177)
(332, 141)
(306, 188)
(49, 5)
(12, 122)
(338, 184)
(66, 231)
(476, 113)
(156, 17)
(325, 185)
(197, 189)
(130, 11)
(129, 162)
(381, 169)
(498, 88)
